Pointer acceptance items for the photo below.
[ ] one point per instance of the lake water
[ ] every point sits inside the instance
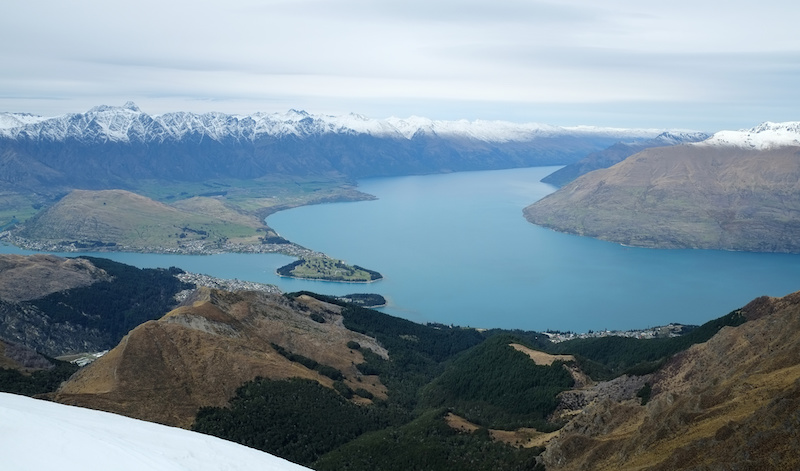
(456, 249)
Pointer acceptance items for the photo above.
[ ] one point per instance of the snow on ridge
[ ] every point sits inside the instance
(681, 137)
(11, 121)
(128, 123)
(78, 439)
(766, 135)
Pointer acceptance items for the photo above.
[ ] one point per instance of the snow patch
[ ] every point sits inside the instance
(44, 435)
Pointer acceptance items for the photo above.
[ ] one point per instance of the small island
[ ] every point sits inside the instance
(368, 300)
(328, 269)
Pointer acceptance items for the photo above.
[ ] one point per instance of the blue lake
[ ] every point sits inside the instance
(456, 249)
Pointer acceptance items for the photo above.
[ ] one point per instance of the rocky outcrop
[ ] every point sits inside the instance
(26, 324)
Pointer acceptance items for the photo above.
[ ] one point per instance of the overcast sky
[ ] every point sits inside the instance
(698, 64)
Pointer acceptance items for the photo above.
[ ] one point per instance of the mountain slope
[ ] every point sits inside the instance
(617, 153)
(731, 403)
(23, 278)
(77, 439)
(200, 353)
(60, 306)
(705, 195)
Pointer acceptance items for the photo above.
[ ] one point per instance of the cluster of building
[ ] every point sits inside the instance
(220, 283)
(664, 331)
(192, 247)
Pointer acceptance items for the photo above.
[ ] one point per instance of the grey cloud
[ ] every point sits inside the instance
(470, 11)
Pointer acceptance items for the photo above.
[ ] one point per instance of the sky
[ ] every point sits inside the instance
(704, 65)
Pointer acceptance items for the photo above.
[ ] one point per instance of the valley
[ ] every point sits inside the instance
(498, 379)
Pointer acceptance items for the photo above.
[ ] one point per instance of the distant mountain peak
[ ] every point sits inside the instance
(766, 135)
(789, 126)
(129, 105)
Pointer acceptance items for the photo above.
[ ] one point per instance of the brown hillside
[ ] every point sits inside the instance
(197, 355)
(732, 403)
(687, 196)
(23, 278)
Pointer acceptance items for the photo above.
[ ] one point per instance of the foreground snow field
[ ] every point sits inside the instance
(39, 435)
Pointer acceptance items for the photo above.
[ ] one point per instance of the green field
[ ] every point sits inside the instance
(125, 220)
(259, 196)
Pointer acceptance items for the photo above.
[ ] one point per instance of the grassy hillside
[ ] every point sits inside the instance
(124, 220)
(685, 197)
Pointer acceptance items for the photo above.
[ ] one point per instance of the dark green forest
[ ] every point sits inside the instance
(496, 386)
(132, 297)
(38, 382)
(428, 443)
(297, 419)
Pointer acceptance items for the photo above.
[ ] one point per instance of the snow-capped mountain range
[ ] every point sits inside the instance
(110, 147)
(766, 135)
(113, 147)
(128, 123)
(40, 435)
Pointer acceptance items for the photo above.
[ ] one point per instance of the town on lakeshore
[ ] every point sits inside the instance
(664, 331)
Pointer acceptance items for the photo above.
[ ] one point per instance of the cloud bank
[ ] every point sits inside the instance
(701, 65)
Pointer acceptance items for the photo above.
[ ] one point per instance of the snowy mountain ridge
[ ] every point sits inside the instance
(44, 435)
(680, 137)
(129, 124)
(765, 136)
